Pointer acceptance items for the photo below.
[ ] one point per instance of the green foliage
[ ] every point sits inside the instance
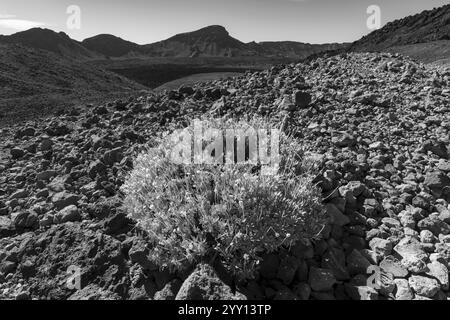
(192, 211)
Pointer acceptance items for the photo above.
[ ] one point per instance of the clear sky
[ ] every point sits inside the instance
(147, 21)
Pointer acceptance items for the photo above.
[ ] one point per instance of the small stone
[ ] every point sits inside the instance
(440, 272)
(302, 99)
(26, 132)
(413, 256)
(17, 153)
(444, 166)
(436, 257)
(418, 297)
(381, 246)
(42, 193)
(93, 292)
(287, 270)
(344, 140)
(426, 236)
(357, 188)
(46, 220)
(334, 260)
(139, 254)
(445, 216)
(169, 291)
(113, 156)
(28, 268)
(25, 219)
(361, 292)
(46, 144)
(285, 294)
(357, 263)
(378, 145)
(303, 291)
(97, 168)
(19, 194)
(391, 223)
(434, 224)
(184, 89)
(410, 233)
(6, 227)
(408, 221)
(46, 175)
(7, 267)
(23, 296)
(68, 214)
(321, 279)
(64, 199)
(391, 265)
(387, 284)
(436, 181)
(424, 286)
(269, 266)
(404, 291)
(439, 148)
(336, 216)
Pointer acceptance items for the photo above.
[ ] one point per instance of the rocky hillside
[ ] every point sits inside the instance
(28, 76)
(409, 35)
(427, 26)
(378, 123)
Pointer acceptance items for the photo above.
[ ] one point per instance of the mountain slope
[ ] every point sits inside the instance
(45, 39)
(408, 36)
(427, 26)
(28, 75)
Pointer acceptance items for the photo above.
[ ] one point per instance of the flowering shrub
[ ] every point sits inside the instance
(230, 211)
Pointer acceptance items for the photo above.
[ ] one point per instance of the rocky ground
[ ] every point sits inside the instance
(379, 123)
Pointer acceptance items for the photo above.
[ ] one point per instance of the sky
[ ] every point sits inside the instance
(147, 21)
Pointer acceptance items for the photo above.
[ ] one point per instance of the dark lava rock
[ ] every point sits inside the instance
(204, 284)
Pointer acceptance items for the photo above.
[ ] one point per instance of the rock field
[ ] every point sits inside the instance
(379, 124)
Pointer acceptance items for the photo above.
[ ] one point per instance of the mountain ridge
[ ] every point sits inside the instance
(429, 26)
(210, 41)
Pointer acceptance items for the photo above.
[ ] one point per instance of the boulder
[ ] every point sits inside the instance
(204, 284)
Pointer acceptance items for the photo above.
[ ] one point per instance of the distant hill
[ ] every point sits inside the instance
(110, 45)
(45, 39)
(206, 42)
(292, 49)
(425, 36)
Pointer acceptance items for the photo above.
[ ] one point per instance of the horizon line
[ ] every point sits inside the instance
(186, 32)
